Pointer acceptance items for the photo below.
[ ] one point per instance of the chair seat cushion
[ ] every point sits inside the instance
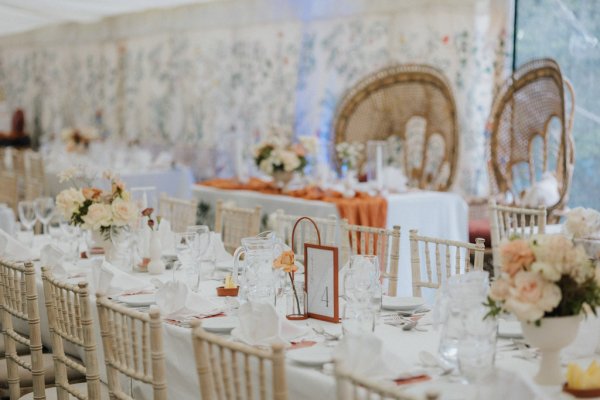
(82, 387)
(480, 228)
(25, 375)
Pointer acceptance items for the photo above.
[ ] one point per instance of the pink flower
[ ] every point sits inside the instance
(499, 289)
(531, 296)
(516, 255)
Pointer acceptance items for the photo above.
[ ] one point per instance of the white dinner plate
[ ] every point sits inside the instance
(401, 303)
(509, 329)
(313, 356)
(138, 300)
(220, 324)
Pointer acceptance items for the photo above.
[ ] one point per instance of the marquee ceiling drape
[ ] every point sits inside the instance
(23, 15)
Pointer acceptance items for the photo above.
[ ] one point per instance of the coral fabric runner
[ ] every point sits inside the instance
(360, 210)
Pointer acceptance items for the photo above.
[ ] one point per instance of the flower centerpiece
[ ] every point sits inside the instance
(278, 157)
(296, 306)
(350, 154)
(547, 282)
(79, 139)
(583, 224)
(98, 210)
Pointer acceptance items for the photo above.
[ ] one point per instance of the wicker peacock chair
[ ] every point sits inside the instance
(525, 108)
(387, 102)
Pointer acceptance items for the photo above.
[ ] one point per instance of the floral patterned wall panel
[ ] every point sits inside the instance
(199, 88)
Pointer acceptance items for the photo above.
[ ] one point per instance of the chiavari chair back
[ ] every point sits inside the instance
(133, 347)
(352, 387)
(450, 257)
(179, 212)
(283, 226)
(235, 223)
(230, 370)
(383, 243)
(509, 221)
(70, 320)
(18, 300)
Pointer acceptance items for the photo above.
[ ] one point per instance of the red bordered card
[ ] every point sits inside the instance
(321, 281)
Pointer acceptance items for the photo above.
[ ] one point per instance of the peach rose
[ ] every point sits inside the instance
(91, 193)
(124, 212)
(499, 289)
(286, 261)
(516, 255)
(532, 296)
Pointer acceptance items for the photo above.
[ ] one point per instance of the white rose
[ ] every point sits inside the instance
(98, 215)
(310, 143)
(124, 212)
(68, 201)
(266, 166)
(290, 160)
(548, 271)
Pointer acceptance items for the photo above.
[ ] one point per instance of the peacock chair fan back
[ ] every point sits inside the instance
(529, 132)
(411, 103)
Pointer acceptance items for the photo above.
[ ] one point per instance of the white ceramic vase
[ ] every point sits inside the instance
(156, 265)
(550, 337)
(282, 178)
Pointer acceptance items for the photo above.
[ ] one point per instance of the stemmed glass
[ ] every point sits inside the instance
(44, 208)
(144, 197)
(202, 247)
(184, 248)
(27, 214)
(363, 293)
(55, 230)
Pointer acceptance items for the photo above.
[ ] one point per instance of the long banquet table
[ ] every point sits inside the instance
(511, 381)
(437, 214)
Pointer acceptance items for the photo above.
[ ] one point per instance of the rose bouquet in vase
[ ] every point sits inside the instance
(278, 157)
(103, 212)
(547, 282)
(583, 224)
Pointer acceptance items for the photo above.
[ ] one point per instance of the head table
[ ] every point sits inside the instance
(436, 214)
(512, 379)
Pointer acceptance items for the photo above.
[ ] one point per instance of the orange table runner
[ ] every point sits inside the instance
(360, 210)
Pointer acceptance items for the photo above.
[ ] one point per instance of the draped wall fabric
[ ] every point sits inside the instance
(232, 69)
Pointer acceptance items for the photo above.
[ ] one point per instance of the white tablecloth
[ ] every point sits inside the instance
(175, 182)
(437, 214)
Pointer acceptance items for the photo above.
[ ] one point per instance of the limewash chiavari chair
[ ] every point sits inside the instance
(9, 192)
(235, 223)
(383, 243)
(70, 319)
(229, 370)
(179, 212)
(283, 225)
(508, 221)
(352, 387)
(133, 346)
(18, 299)
(442, 267)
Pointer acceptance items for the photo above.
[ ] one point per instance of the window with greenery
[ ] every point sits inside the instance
(569, 32)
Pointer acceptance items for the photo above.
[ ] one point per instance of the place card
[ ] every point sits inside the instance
(321, 282)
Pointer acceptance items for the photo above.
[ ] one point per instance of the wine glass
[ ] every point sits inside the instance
(203, 247)
(27, 214)
(184, 247)
(144, 197)
(44, 208)
(55, 229)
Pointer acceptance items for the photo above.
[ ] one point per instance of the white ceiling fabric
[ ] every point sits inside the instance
(18, 16)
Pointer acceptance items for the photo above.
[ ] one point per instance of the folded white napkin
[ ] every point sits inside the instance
(260, 325)
(50, 256)
(109, 280)
(177, 302)
(364, 355)
(13, 249)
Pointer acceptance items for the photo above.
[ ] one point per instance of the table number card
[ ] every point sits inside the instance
(321, 280)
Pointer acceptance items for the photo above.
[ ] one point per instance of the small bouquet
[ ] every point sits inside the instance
(350, 153)
(544, 276)
(98, 210)
(278, 154)
(583, 223)
(79, 139)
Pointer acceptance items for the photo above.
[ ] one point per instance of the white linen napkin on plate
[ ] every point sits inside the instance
(364, 355)
(177, 302)
(260, 325)
(109, 280)
(13, 249)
